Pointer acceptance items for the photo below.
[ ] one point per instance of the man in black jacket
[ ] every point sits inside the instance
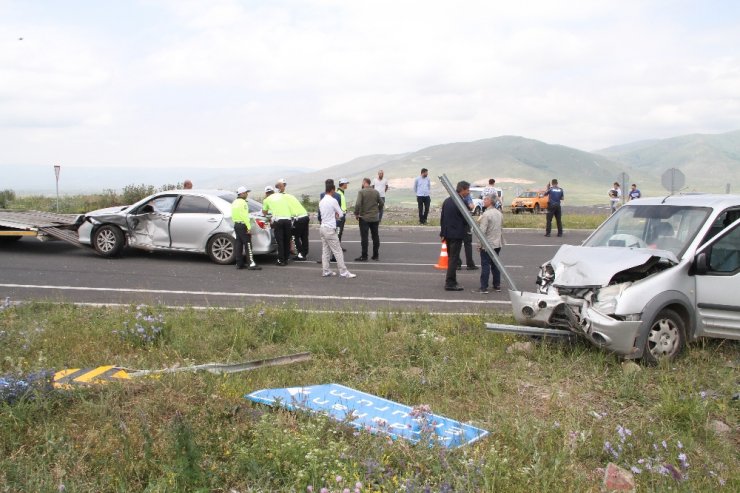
(452, 231)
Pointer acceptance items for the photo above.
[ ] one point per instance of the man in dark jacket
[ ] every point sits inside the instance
(367, 211)
(452, 231)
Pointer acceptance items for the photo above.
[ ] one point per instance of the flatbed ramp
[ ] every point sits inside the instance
(14, 224)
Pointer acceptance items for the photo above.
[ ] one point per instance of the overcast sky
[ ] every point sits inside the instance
(315, 83)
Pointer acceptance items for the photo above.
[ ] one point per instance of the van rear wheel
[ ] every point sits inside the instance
(666, 337)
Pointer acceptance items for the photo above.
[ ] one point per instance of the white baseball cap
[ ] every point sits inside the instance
(281, 181)
(242, 190)
(268, 189)
(342, 181)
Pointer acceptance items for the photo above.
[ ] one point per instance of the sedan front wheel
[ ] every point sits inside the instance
(108, 240)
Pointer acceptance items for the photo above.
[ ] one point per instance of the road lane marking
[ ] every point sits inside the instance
(250, 295)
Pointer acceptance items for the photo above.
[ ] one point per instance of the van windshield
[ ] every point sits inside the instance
(662, 227)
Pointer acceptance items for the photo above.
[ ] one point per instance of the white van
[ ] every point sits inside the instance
(656, 274)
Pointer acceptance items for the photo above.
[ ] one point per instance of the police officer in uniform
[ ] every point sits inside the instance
(276, 205)
(343, 182)
(300, 226)
(555, 196)
(240, 216)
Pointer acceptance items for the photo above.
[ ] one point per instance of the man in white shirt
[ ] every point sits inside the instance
(615, 195)
(381, 185)
(330, 211)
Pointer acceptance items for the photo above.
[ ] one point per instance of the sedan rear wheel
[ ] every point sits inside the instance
(221, 248)
(108, 240)
(666, 338)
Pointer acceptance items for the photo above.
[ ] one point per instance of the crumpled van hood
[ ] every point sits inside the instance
(579, 266)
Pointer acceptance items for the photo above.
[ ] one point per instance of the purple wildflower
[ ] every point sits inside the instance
(635, 470)
(683, 460)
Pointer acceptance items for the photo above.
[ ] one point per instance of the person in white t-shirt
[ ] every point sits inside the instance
(615, 195)
(330, 211)
(381, 185)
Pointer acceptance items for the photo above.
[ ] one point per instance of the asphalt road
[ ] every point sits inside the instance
(403, 280)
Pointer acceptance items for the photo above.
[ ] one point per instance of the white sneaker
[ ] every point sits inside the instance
(348, 275)
(329, 274)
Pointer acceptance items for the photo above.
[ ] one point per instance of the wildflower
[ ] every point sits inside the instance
(345, 490)
(623, 433)
(683, 460)
(679, 444)
(665, 445)
(635, 470)
(609, 449)
(309, 488)
(703, 394)
(339, 479)
(324, 490)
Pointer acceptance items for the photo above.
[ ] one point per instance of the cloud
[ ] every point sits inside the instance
(318, 82)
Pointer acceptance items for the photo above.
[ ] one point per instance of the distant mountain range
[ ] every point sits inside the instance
(709, 162)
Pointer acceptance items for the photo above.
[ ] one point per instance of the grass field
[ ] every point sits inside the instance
(557, 414)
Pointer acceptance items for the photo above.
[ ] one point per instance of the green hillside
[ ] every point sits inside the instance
(517, 163)
(709, 161)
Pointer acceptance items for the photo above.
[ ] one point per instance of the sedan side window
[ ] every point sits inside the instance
(192, 204)
(724, 255)
(161, 205)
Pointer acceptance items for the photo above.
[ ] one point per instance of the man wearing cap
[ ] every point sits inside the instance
(367, 212)
(330, 211)
(280, 185)
(275, 204)
(343, 182)
(299, 231)
(240, 216)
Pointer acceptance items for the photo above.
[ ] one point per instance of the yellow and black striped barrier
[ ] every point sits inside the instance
(65, 379)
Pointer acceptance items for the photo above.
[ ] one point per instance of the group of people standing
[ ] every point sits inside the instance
(615, 195)
(290, 223)
(455, 232)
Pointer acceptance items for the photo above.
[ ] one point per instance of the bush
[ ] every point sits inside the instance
(6, 197)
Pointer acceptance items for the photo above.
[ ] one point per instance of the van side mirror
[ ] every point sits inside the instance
(701, 263)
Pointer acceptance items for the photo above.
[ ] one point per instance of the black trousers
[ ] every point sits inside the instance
(453, 258)
(300, 233)
(372, 227)
(554, 211)
(340, 226)
(423, 203)
(468, 247)
(282, 229)
(243, 239)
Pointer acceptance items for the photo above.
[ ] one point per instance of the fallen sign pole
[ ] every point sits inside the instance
(476, 229)
(65, 379)
(530, 331)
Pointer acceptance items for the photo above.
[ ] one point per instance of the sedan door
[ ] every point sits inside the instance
(149, 223)
(193, 222)
(718, 305)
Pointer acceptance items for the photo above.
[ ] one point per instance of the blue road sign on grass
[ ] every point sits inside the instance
(371, 413)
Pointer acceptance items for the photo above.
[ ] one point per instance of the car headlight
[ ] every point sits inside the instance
(606, 298)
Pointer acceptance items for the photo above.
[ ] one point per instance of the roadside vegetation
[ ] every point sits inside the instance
(557, 414)
(394, 215)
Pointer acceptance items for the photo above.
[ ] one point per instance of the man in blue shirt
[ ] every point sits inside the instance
(422, 187)
(555, 196)
(635, 192)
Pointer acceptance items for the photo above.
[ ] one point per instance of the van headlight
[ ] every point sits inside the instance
(606, 299)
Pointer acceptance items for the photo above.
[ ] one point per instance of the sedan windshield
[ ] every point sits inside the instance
(662, 227)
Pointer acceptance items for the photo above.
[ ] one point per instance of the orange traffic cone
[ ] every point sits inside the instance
(442, 262)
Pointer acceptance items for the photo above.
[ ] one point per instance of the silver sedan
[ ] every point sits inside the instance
(176, 220)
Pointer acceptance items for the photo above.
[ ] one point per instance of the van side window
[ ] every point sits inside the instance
(724, 255)
(721, 222)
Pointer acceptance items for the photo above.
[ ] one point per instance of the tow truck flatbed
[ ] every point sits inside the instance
(42, 225)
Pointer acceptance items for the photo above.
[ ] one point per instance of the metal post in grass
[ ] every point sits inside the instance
(57, 169)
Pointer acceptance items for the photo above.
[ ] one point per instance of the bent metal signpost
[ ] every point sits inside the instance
(371, 413)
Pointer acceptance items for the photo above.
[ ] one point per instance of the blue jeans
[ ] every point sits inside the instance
(487, 267)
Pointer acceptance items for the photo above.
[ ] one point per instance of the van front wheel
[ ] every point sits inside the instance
(666, 337)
